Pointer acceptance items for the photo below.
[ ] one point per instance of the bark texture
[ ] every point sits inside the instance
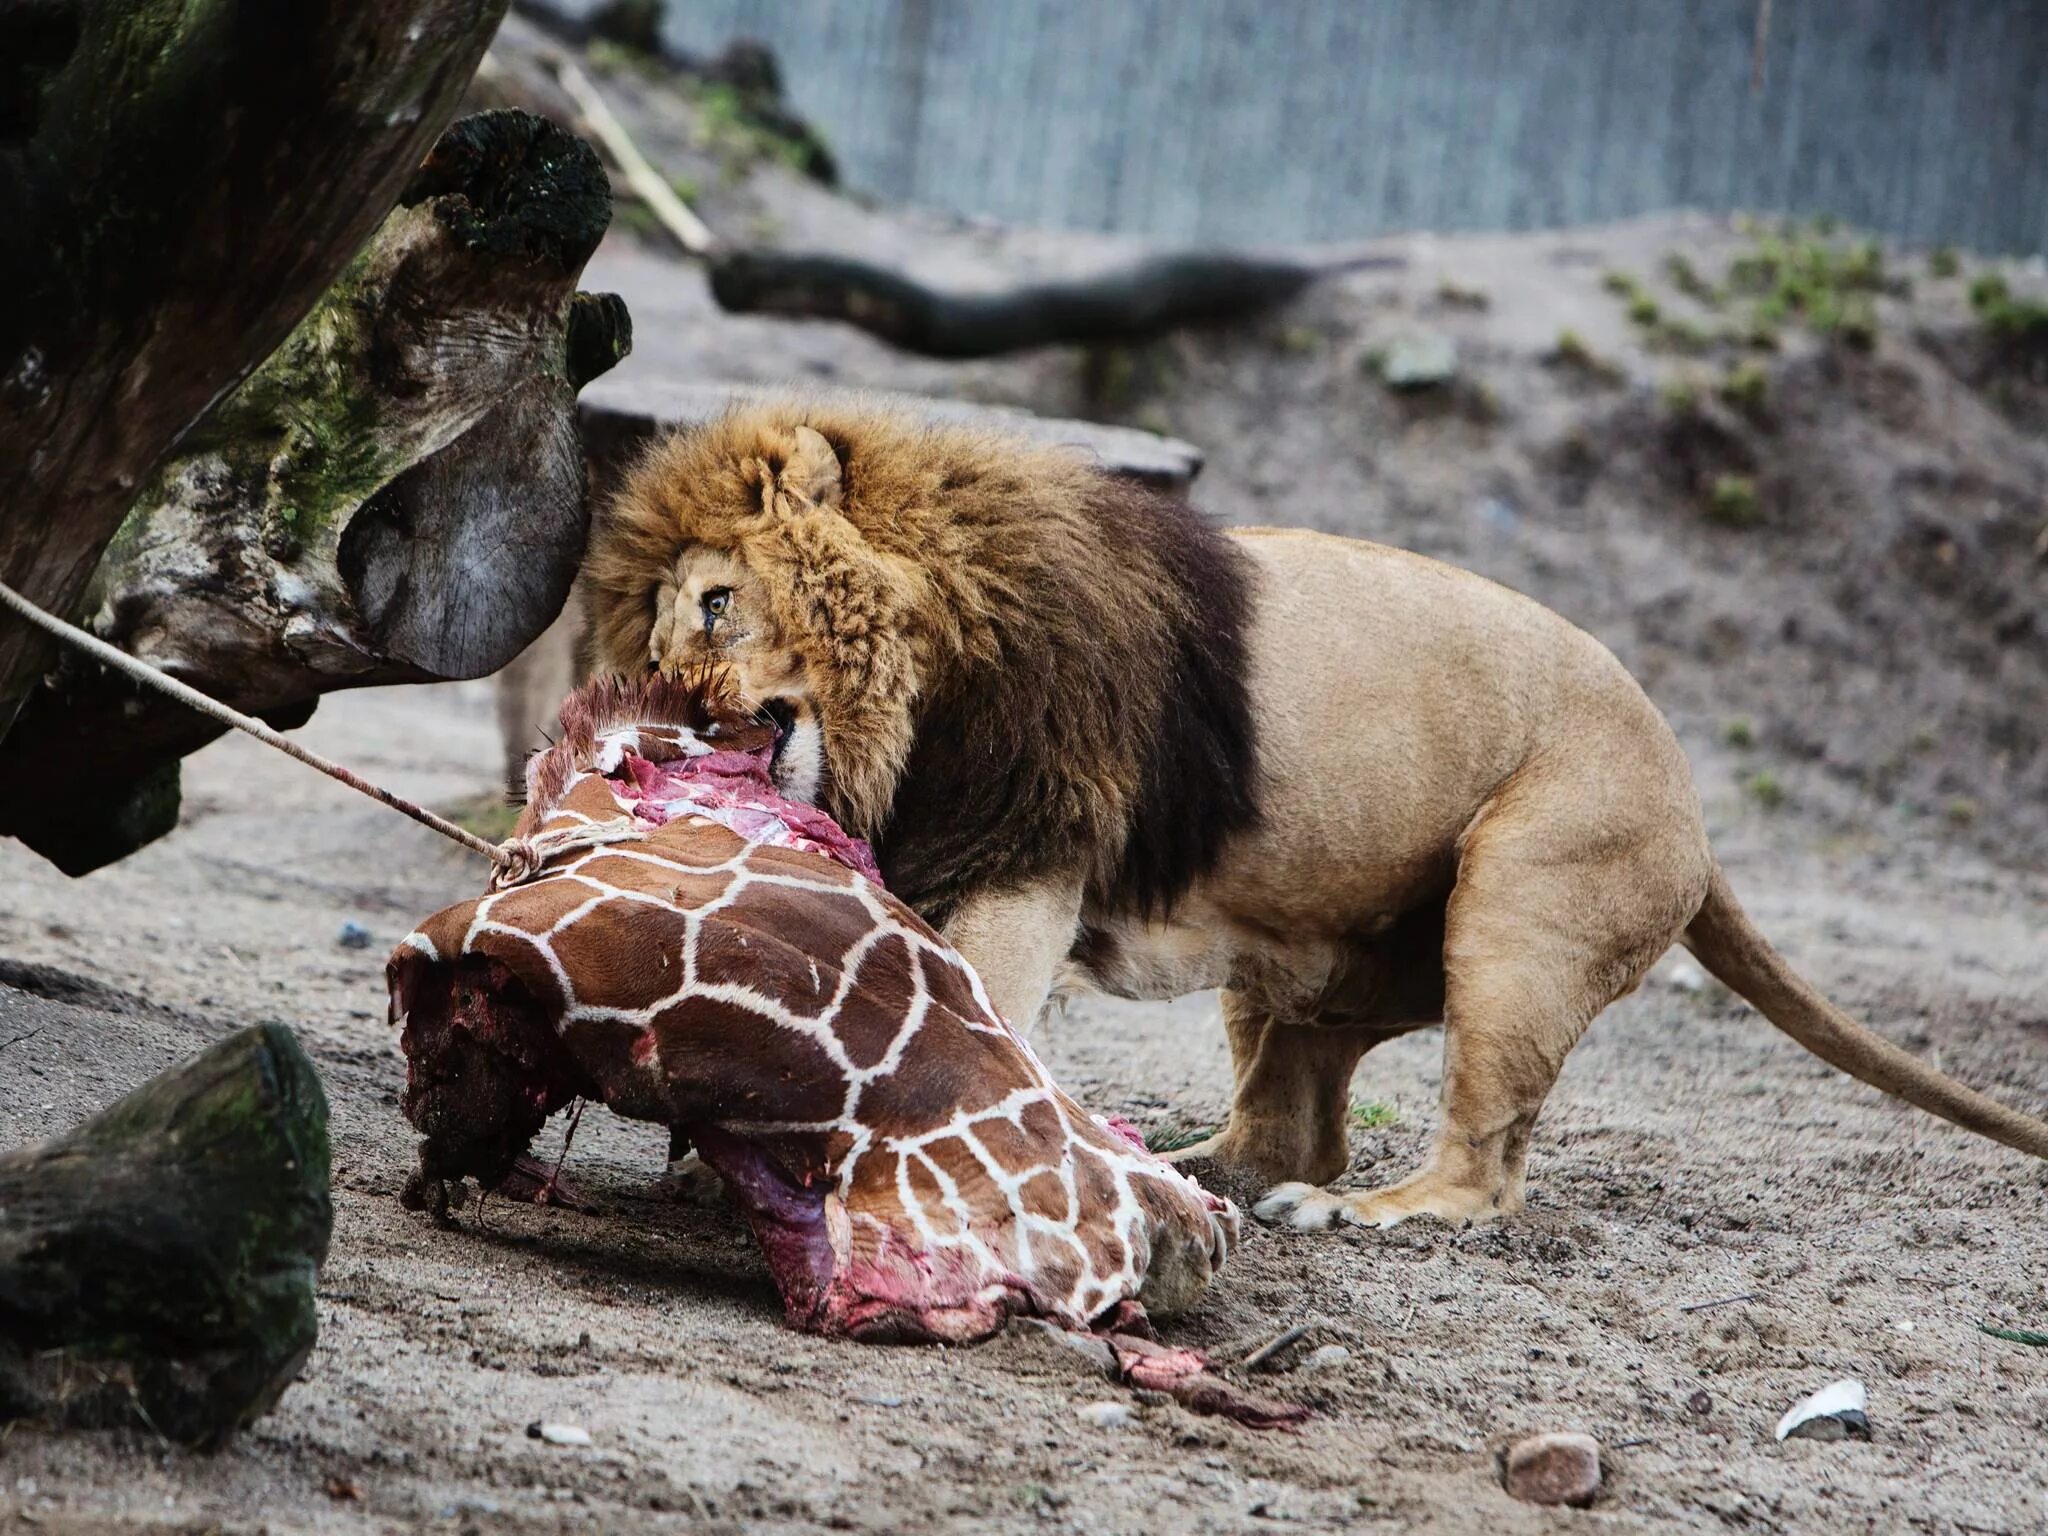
(179, 180)
(158, 1262)
(396, 494)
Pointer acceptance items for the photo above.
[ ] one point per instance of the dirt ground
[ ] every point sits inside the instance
(1689, 1155)
(1860, 675)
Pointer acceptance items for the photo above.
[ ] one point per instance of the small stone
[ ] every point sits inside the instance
(1700, 1402)
(558, 1434)
(1685, 976)
(1838, 1411)
(1327, 1356)
(1496, 513)
(1033, 1333)
(353, 935)
(1421, 361)
(1554, 1469)
(1107, 1415)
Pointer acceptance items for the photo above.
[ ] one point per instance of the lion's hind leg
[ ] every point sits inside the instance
(1549, 922)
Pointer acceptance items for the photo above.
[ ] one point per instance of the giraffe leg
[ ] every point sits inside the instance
(1288, 1117)
(1546, 926)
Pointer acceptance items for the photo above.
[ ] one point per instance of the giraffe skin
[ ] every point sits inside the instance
(688, 948)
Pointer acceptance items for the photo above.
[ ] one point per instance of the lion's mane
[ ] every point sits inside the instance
(1023, 665)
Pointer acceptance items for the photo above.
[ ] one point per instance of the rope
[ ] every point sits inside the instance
(521, 858)
(142, 672)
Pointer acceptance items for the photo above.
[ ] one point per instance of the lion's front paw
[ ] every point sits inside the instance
(1309, 1209)
(1301, 1206)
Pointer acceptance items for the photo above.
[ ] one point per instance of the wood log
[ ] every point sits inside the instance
(158, 1262)
(1121, 306)
(178, 182)
(395, 495)
(620, 413)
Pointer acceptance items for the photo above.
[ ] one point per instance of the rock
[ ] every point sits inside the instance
(1107, 1415)
(1063, 1344)
(1554, 1469)
(353, 935)
(1327, 1356)
(1685, 976)
(1700, 1402)
(1497, 514)
(558, 1434)
(1836, 1412)
(1422, 361)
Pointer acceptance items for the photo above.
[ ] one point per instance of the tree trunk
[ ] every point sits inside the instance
(396, 495)
(157, 1263)
(179, 179)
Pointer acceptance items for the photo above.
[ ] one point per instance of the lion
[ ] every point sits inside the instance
(1103, 744)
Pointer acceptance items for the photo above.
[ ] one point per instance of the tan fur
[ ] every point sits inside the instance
(1468, 811)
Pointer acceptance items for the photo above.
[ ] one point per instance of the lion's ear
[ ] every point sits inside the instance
(812, 471)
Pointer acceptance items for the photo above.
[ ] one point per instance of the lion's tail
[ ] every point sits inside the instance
(1728, 944)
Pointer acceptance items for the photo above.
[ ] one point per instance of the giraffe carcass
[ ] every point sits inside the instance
(686, 947)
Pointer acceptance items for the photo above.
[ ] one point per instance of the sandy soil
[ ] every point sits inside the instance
(1877, 634)
(1689, 1154)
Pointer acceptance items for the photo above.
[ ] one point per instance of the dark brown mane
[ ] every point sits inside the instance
(1114, 732)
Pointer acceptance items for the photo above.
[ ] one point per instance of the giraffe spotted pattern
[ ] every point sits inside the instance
(693, 950)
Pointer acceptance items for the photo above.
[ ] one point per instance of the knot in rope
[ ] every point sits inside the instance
(519, 859)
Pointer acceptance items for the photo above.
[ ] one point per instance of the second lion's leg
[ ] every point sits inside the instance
(1288, 1115)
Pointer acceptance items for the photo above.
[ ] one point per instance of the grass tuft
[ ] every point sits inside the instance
(1732, 500)
(1763, 787)
(1747, 387)
(1571, 351)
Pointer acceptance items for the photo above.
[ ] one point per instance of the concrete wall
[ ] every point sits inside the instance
(1244, 120)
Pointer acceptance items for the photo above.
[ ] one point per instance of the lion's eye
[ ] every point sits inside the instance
(716, 601)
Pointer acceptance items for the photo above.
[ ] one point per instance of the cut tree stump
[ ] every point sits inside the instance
(178, 183)
(396, 495)
(158, 1262)
(621, 412)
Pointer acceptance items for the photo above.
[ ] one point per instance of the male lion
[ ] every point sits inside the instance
(1101, 743)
